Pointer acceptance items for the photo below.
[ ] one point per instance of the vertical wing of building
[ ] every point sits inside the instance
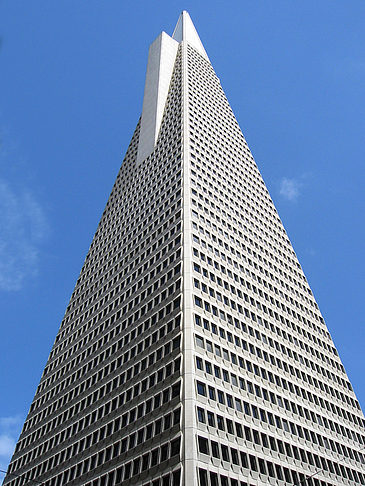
(108, 409)
(192, 351)
(273, 402)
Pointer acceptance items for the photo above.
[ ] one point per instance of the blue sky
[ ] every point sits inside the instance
(71, 87)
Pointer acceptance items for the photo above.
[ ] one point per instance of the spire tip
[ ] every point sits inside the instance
(185, 31)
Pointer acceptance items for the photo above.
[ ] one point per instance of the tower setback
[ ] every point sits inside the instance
(192, 351)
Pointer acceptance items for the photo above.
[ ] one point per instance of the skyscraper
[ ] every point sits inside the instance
(192, 350)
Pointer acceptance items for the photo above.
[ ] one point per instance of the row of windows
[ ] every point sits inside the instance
(222, 299)
(124, 283)
(113, 478)
(133, 318)
(251, 300)
(230, 250)
(151, 430)
(295, 372)
(259, 371)
(242, 217)
(150, 459)
(133, 416)
(232, 209)
(211, 478)
(219, 179)
(135, 335)
(126, 261)
(140, 464)
(87, 332)
(137, 299)
(267, 441)
(272, 377)
(125, 267)
(256, 290)
(116, 364)
(255, 277)
(204, 176)
(257, 413)
(123, 245)
(289, 406)
(117, 263)
(114, 273)
(211, 131)
(256, 269)
(257, 464)
(124, 397)
(145, 178)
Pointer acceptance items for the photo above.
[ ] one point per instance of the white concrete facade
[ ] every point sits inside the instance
(192, 351)
(161, 61)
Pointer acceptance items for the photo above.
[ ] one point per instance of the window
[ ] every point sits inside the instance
(220, 397)
(229, 400)
(176, 478)
(211, 419)
(234, 455)
(199, 342)
(136, 463)
(175, 447)
(229, 426)
(167, 422)
(244, 460)
(164, 452)
(201, 415)
(238, 404)
(253, 463)
(158, 426)
(127, 470)
(177, 416)
(201, 389)
(154, 457)
(225, 454)
(214, 479)
(175, 390)
(224, 481)
(220, 422)
(203, 445)
(215, 449)
(198, 301)
(149, 431)
(203, 478)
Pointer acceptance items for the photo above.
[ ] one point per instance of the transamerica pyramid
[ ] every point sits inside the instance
(192, 351)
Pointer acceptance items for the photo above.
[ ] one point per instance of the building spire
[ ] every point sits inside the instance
(161, 60)
(185, 31)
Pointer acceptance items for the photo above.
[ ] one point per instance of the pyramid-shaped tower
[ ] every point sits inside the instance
(192, 351)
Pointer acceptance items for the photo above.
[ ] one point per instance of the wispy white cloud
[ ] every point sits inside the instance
(9, 423)
(10, 428)
(23, 228)
(7, 446)
(346, 67)
(23, 222)
(290, 189)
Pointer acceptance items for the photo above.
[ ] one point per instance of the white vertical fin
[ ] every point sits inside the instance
(161, 60)
(185, 31)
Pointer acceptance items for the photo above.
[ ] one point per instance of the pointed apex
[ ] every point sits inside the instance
(185, 31)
